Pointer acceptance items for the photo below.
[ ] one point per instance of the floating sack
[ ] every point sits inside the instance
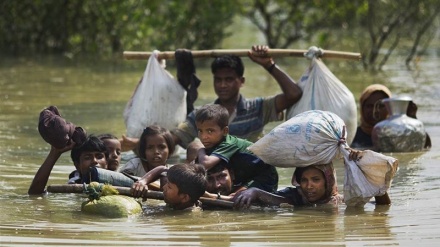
(104, 200)
(368, 177)
(158, 99)
(58, 132)
(311, 137)
(322, 90)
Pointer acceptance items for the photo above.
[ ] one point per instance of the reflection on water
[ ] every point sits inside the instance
(94, 97)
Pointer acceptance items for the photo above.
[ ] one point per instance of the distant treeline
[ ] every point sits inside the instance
(108, 27)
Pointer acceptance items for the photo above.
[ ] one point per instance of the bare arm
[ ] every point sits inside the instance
(42, 176)
(291, 91)
(245, 198)
(383, 200)
(140, 188)
(208, 161)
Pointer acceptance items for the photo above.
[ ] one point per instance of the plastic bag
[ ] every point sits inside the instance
(370, 176)
(322, 90)
(312, 137)
(112, 206)
(158, 99)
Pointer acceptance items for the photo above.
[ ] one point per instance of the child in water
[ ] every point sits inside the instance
(113, 146)
(182, 185)
(153, 150)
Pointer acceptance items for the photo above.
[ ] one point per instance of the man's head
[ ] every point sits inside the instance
(186, 184)
(228, 77)
(212, 124)
(91, 153)
(220, 180)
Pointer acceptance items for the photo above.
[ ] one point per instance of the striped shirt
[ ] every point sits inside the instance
(248, 122)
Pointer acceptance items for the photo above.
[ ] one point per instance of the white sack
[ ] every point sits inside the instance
(312, 137)
(370, 176)
(322, 90)
(158, 99)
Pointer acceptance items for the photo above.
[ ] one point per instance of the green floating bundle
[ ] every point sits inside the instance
(105, 201)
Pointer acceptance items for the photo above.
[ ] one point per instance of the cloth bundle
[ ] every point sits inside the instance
(311, 137)
(58, 132)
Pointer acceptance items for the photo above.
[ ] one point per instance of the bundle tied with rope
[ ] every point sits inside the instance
(318, 137)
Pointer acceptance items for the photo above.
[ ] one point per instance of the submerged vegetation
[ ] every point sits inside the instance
(106, 28)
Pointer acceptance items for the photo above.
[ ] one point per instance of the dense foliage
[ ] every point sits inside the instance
(108, 27)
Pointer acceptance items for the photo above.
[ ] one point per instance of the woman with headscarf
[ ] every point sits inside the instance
(313, 185)
(373, 111)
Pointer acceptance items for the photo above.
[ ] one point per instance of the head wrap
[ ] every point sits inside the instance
(331, 186)
(368, 91)
(58, 132)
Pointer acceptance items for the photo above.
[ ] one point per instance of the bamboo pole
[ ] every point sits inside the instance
(140, 55)
(126, 191)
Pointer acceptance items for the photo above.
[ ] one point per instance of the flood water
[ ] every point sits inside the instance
(93, 95)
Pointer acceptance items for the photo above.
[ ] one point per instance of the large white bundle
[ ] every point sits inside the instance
(312, 137)
(158, 99)
(370, 176)
(322, 90)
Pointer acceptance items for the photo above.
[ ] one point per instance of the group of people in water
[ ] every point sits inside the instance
(216, 136)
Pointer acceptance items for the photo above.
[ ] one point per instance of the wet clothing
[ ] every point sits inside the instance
(248, 169)
(134, 167)
(295, 195)
(247, 123)
(362, 138)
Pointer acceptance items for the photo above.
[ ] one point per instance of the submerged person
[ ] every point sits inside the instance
(372, 111)
(313, 185)
(247, 116)
(92, 153)
(182, 185)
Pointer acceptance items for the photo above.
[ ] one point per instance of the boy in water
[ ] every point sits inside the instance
(219, 148)
(182, 185)
(92, 153)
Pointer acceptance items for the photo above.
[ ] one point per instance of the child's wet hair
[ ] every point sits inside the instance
(107, 136)
(155, 130)
(91, 144)
(190, 179)
(214, 112)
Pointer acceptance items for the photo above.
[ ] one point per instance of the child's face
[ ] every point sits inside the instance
(156, 151)
(91, 159)
(313, 184)
(171, 194)
(114, 153)
(210, 133)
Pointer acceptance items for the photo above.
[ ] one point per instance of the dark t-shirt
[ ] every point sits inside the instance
(362, 140)
(248, 169)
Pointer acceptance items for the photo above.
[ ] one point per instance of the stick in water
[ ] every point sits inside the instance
(126, 191)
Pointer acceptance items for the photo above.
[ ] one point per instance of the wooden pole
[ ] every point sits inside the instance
(126, 191)
(140, 55)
